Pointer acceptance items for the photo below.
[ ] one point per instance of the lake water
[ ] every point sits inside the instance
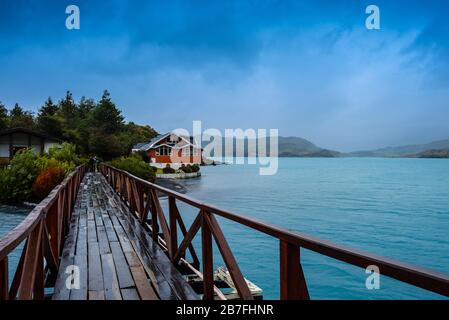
(397, 208)
(10, 217)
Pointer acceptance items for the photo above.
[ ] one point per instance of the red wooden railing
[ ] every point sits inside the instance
(142, 198)
(43, 231)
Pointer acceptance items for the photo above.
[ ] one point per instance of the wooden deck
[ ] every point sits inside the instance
(116, 257)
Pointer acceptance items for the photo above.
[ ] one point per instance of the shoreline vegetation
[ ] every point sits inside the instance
(30, 178)
(87, 127)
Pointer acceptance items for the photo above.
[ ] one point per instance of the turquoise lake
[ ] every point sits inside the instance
(396, 208)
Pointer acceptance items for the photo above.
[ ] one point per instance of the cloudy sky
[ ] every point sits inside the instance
(309, 68)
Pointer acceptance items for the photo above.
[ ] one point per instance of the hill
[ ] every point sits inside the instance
(403, 151)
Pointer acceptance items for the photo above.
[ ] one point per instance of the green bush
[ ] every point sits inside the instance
(65, 152)
(134, 165)
(195, 168)
(168, 169)
(19, 176)
(144, 155)
(16, 180)
(186, 169)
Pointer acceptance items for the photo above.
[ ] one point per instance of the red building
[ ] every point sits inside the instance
(172, 149)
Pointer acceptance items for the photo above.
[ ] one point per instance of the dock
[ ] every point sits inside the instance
(117, 258)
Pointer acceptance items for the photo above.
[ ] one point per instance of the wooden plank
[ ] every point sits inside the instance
(61, 292)
(110, 281)
(95, 270)
(145, 290)
(109, 229)
(96, 295)
(103, 241)
(80, 261)
(132, 259)
(124, 276)
(91, 231)
(130, 294)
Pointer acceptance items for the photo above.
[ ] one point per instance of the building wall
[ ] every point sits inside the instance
(23, 140)
(179, 159)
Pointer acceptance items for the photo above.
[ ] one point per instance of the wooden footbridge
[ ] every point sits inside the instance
(104, 235)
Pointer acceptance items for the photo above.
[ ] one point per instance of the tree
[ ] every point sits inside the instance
(68, 110)
(48, 109)
(20, 118)
(3, 117)
(85, 106)
(95, 128)
(48, 120)
(107, 146)
(107, 116)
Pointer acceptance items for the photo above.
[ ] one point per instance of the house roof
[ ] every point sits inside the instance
(150, 144)
(28, 131)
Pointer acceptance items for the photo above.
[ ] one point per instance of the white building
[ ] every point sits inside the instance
(13, 140)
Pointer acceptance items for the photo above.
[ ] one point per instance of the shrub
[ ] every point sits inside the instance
(186, 169)
(135, 166)
(195, 168)
(65, 152)
(46, 181)
(44, 163)
(168, 169)
(17, 178)
(144, 155)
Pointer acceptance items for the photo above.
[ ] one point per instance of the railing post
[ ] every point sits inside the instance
(208, 271)
(173, 226)
(4, 294)
(154, 224)
(293, 284)
(53, 226)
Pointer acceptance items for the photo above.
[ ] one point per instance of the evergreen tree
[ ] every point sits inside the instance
(85, 106)
(20, 118)
(48, 121)
(107, 116)
(3, 117)
(68, 110)
(48, 109)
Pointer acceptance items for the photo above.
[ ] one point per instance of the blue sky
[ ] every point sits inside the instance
(308, 68)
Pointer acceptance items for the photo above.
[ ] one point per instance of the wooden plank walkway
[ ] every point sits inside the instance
(116, 257)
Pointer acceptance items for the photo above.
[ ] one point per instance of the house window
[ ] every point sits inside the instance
(164, 151)
(186, 152)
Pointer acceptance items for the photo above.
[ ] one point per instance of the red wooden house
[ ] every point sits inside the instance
(172, 149)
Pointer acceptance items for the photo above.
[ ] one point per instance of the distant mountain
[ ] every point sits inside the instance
(299, 147)
(287, 147)
(439, 154)
(403, 151)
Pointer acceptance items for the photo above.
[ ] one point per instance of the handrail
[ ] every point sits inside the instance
(43, 229)
(142, 198)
